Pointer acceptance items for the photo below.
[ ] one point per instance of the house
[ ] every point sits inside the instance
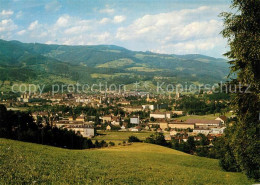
(148, 99)
(147, 127)
(70, 118)
(148, 107)
(217, 130)
(173, 133)
(84, 130)
(181, 125)
(181, 138)
(135, 129)
(116, 123)
(123, 128)
(168, 115)
(135, 120)
(158, 115)
(201, 131)
(167, 137)
(80, 118)
(164, 125)
(35, 115)
(222, 118)
(107, 118)
(133, 109)
(178, 112)
(108, 127)
(205, 123)
(124, 103)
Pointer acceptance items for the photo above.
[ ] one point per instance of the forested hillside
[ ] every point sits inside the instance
(41, 63)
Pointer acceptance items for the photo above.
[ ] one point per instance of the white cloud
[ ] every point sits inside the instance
(193, 46)
(49, 42)
(7, 25)
(53, 6)
(104, 20)
(77, 29)
(107, 10)
(116, 19)
(183, 31)
(22, 32)
(63, 21)
(119, 19)
(33, 25)
(19, 15)
(6, 13)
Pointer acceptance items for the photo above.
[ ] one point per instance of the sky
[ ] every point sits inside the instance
(161, 26)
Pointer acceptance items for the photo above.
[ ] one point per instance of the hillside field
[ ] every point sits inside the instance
(138, 163)
(120, 136)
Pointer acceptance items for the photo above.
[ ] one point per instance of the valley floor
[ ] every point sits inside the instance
(138, 163)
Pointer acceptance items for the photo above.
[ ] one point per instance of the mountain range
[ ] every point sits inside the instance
(42, 63)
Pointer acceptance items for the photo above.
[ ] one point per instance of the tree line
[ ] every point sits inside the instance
(21, 126)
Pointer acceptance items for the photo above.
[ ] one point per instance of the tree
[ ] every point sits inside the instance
(133, 139)
(191, 144)
(157, 138)
(242, 28)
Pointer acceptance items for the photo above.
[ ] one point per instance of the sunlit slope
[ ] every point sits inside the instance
(136, 164)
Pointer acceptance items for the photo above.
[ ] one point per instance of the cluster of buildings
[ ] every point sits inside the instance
(158, 118)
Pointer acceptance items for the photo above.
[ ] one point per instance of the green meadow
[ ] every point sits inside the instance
(208, 116)
(139, 163)
(119, 137)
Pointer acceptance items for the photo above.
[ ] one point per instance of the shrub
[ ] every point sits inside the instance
(111, 143)
(133, 139)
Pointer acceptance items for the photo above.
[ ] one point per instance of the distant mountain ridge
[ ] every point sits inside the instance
(34, 62)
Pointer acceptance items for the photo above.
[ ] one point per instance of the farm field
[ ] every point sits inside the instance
(119, 136)
(139, 163)
(209, 116)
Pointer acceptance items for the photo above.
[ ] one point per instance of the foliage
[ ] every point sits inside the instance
(20, 126)
(242, 28)
(157, 138)
(48, 64)
(133, 139)
(199, 105)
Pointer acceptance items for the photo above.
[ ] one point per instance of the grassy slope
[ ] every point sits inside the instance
(136, 164)
(118, 136)
(208, 116)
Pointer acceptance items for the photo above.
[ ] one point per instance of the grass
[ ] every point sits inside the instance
(144, 69)
(140, 163)
(119, 137)
(22, 109)
(117, 63)
(209, 116)
(99, 75)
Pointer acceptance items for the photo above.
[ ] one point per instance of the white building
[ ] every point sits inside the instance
(201, 131)
(218, 130)
(148, 107)
(135, 120)
(178, 112)
(84, 130)
(116, 123)
(205, 123)
(158, 115)
(223, 119)
(168, 115)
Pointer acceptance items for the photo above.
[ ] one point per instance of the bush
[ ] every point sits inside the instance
(111, 143)
(20, 126)
(157, 138)
(133, 139)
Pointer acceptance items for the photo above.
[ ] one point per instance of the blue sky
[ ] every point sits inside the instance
(166, 26)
